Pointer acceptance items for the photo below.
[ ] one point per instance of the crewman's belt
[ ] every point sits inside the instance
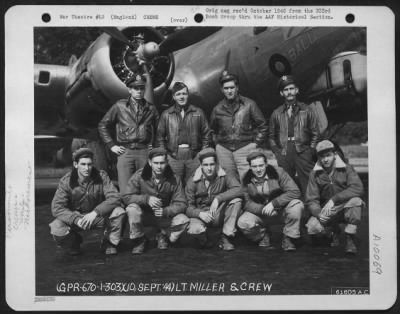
(183, 145)
(290, 139)
(135, 146)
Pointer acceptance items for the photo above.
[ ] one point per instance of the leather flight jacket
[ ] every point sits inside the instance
(239, 126)
(132, 130)
(306, 132)
(194, 124)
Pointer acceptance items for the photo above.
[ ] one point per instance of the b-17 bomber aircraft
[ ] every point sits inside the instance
(328, 62)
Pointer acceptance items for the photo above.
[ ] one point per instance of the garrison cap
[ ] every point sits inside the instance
(255, 154)
(324, 146)
(286, 80)
(226, 77)
(81, 152)
(136, 80)
(158, 151)
(178, 86)
(207, 152)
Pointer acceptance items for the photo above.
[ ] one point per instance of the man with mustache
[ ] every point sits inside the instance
(293, 133)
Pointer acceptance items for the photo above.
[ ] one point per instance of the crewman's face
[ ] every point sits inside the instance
(327, 159)
(258, 166)
(230, 90)
(84, 167)
(158, 164)
(290, 92)
(137, 92)
(209, 166)
(181, 97)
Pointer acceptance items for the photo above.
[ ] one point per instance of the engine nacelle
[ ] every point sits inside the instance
(97, 79)
(86, 88)
(342, 87)
(346, 72)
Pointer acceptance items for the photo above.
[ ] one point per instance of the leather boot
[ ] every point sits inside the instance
(225, 243)
(71, 243)
(350, 247)
(138, 245)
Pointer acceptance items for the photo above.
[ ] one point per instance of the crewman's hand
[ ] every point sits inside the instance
(119, 150)
(206, 216)
(323, 219)
(214, 206)
(154, 202)
(269, 210)
(158, 212)
(327, 209)
(87, 220)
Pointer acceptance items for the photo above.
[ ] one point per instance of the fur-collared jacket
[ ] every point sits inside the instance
(170, 190)
(225, 188)
(342, 184)
(72, 199)
(277, 187)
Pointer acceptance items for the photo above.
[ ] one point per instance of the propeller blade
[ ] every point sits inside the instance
(227, 60)
(185, 38)
(117, 34)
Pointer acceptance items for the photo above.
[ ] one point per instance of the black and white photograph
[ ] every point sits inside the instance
(172, 160)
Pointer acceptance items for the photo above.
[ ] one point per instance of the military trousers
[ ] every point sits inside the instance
(254, 227)
(235, 162)
(128, 163)
(300, 163)
(226, 216)
(111, 223)
(184, 164)
(139, 217)
(348, 213)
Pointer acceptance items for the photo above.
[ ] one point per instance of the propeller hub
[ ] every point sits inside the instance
(149, 50)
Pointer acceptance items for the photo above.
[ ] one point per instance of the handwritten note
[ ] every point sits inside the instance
(18, 203)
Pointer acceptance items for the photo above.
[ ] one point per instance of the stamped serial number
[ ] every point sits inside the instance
(349, 290)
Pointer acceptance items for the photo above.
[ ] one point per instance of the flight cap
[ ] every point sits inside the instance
(226, 77)
(286, 80)
(207, 152)
(136, 80)
(81, 152)
(255, 154)
(324, 146)
(158, 151)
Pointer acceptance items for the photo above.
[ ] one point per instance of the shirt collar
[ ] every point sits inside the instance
(198, 174)
(132, 101)
(339, 163)
(236, 101)
(294, 106)
(255, 180)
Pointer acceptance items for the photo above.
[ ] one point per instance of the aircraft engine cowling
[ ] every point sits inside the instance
(343, 85)
(97, 79)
